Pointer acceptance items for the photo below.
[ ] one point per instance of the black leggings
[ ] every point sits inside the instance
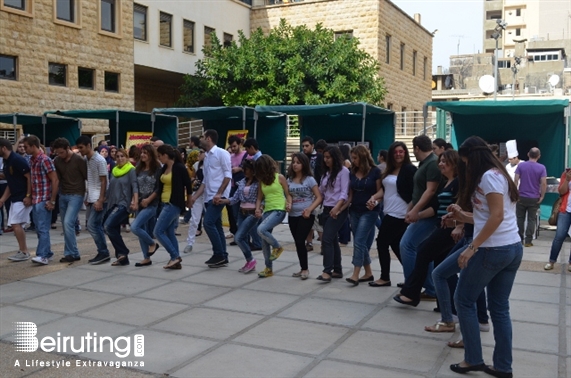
(391, 232)
(300, 227)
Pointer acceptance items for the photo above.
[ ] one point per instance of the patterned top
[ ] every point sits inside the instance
(41, 166)
(239, 194)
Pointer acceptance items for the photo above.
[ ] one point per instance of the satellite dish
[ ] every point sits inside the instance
(486, 84)
(553, 80)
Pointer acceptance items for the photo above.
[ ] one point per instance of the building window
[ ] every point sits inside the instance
(518, 12)
(140, 22)
(208, 36)
(188, 36)
(518, 32)
(16, 4)
(390, 106)
(111, 82)
(108, 15)
(57, 74)
(387, 49)
(85, 78)
(402, 56)
(504, 64)
(414, 54)
(228, 40)
(19, 7)
(424, 65)
(8, 66)
(165, 29)
(65, 10)
(343, 33)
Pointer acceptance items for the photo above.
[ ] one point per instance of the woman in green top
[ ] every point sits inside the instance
(273, 190)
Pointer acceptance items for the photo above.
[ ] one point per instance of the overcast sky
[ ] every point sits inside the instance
(456, 21)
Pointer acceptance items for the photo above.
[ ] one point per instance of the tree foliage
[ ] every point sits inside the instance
(289, 66)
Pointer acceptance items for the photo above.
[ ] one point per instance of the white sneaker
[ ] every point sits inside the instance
(188, 249)
(484, 327)
(20, 256)
(40, 260)
(548, 266)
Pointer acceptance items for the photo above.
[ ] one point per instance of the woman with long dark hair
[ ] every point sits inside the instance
(305, 199)
(397, 183)
(334, 188)
(174, 181)
(492, 259)
(148, 177)
(364, 187)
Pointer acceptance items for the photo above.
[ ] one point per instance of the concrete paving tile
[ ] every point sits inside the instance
(364, 347)
(19, 291)
(256, 302)
(544, 313)
(127, 284)
(315, 269)
(11, 314)
(250, 362)
(538, 278)
(401, 320)
(184, 292)
(163, 351)
(336, 369)
(293, 336)
(136, 311)
(530, 336)
(328, 311)
(285, 285)
(342, 290)
(70, 277)
(157, 271)
(206, 322)
(224, 277)
(546, 294)
(69, 301)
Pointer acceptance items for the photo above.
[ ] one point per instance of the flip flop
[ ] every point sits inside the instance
(321, 278)
(456, 344)
(441, 327)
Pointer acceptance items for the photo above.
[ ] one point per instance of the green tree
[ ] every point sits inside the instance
(289, 66)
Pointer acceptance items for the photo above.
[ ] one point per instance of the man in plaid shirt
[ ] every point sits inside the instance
(44, 191)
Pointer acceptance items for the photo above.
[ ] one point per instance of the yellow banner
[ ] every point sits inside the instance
(137, 138)
(242, 134)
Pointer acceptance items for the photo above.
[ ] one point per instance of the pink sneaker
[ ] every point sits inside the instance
(249, 267)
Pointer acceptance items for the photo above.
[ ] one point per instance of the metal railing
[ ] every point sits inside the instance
(8, 134)
(189, 129)
(412, 123)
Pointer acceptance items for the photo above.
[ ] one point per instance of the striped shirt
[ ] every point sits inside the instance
(96, 168)
(41, 166)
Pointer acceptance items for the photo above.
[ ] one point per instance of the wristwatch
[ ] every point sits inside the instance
(471, 246)
(53, 202)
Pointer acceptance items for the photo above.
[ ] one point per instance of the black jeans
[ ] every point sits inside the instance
(436, 246)
(391, 232)
(330, 243)
(300, 227)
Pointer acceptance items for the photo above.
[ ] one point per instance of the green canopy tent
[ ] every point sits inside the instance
(532, 123)
(123, 121)
(358, 122)
(269, 129)
(46, 128)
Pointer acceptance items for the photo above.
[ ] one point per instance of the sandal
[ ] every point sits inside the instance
(121, 260)
(441, 327)
(297, 275)
(456, 344)
(172, 264)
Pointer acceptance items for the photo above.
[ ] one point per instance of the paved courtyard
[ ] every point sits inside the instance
(201, 322)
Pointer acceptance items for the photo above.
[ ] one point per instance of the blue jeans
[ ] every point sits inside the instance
(246, 223)
(212, 223)
(95, 228)
(270, 220)
(112, 222)
(141, 228)
(164, 229)
(363, 225)
(69, 206)
(494, 268)
(563, 223)
(43, 222)
(415, 234)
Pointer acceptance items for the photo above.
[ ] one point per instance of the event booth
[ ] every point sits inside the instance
(46, 128)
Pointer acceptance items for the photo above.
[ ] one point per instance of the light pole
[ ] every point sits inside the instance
(501, 25)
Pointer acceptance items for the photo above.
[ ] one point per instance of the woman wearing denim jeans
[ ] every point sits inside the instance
(563, 221)
(174, 181)
(148, 176)
(364, 189)
(122, 197)
(334, 188)
(273, 191)
(246, 195)
(491, 260)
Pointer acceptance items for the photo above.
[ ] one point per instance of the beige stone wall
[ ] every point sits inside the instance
(370, 21)
(38, 40)
(154, 93)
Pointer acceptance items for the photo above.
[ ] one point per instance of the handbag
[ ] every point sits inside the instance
(554, 212)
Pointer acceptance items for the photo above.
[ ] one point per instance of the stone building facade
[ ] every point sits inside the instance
(401, 45)
(64, 58)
